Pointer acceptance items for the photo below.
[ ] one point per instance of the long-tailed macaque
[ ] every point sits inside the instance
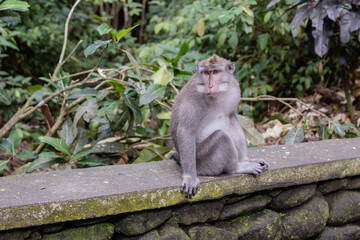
(206, 131)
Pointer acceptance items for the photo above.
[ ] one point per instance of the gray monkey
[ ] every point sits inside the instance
(206, 132)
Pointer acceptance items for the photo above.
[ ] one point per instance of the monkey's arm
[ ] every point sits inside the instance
(187, 150)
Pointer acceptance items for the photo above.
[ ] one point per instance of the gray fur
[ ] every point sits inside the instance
(206, 131)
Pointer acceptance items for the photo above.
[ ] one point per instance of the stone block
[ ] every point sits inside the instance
(344, 207)
(261, 225)
(199, 212)
(306, 220)
(102, 231)
(141, 222)
(332, 185)
(251, 204)
(353, 183)
(347, 232)
(170, 232)
(293, 197)
(210, 233)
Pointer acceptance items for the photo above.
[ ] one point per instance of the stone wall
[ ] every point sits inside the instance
(326, 207)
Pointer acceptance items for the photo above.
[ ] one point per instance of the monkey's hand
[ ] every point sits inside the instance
(252, 166)
(189, 185)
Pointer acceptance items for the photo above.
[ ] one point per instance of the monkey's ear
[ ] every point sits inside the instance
(231, 67)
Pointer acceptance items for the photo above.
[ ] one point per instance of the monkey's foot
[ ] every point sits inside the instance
(252, 166)
(189, 185)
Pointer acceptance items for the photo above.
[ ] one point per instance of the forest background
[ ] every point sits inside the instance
(91, 83)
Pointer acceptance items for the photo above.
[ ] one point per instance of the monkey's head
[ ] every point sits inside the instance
(214, 76)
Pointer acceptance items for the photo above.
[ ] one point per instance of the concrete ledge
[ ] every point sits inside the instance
(45, 198)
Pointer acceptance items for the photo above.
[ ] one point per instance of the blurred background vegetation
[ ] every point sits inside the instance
(123, 107)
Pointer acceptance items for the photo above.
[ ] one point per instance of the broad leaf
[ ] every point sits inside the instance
(41, 162)
(183, 50)
(154, 91)
(200, 27)
(322, 38)
(5, 97)
(252, 134)
(66, 132)
(134, 62)
(103, 29)
(57, 143)
(26, 155)
(262, 41)
(123, 32)
(349, 23)
(87, 110)
(101, 20)
(91, 162)
(148, 155)
(82, 92)
(80, 141)
(272, 3)
(324, 133)
(330, 7)
(300, 15)
(81, 154)
(3, 165)
(295, 135)
(164, 115)
(132, 103)
(117, 86)
(163, 76)
(7, 146)
(93, 47)
(15, 5)
(109, 147)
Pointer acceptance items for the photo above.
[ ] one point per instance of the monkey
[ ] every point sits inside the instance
(206, 132)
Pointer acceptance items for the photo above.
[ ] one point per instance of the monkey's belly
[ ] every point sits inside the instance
(212, 124)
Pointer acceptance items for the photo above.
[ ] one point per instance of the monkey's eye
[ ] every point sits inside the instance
(206, 72)
(216, 71)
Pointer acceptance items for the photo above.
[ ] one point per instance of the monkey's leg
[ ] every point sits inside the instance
(216, 154)
(176, 157)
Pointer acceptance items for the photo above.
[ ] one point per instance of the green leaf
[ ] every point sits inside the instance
(117, 86)
(295, 135)
(147, 155)
(66, 133)
(101, 20)
(15, 5)
(57, 143)
(80, 141)
(324, 133)
(132, 104)
(233, 41)
(163, 76)
(5, 97)
(103, 29)
(337, 126)
(279, 117)
(109, 147)
(123, 32)
(164, 115)
(26, 155)
(93, 47)
(33, 88)
(3, 165)
(7, 146)
(91, 162)
(134, 62)
(251, 133)
(41, 162)
(267, 16)
(82, 92)
(183, 50)
(81, 154)
(262, 41)
(200, 27)
(87, 110)
(153, 91)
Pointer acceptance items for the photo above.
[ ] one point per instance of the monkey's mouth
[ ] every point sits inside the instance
(212, 95)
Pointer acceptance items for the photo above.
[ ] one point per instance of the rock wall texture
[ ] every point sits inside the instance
(323, 210)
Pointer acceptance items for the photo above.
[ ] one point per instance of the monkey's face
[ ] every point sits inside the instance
(213, 81)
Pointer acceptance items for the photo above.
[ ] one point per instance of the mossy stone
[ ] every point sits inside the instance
(235, 198)
(293, 197)
(169, 232)
(199, 212)
(210, 233)
(347, 232)
(247, 205)
(344, 207)
(14, 235)
(306, 220)
(141, 222)
(332, 185)
(261, 225)
(102, 231)
(353, 183)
